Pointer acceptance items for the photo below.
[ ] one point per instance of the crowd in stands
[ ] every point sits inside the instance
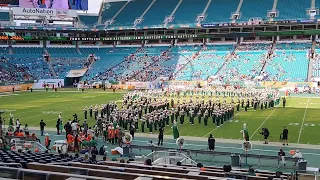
(10, 72)
(35, 66)
(254, 47)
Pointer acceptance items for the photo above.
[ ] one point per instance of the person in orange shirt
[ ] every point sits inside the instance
(47, 141)
(20, 134)
(111, 135)
(70, 141)
(116, 133)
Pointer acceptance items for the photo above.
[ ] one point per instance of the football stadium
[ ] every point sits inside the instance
(159, 89)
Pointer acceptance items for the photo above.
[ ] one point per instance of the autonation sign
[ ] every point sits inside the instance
(34, 11)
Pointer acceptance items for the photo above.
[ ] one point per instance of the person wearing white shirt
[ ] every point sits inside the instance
(297, 155)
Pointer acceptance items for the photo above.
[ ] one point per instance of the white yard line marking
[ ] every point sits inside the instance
(219, 126)
(302, 124)
(264, 122)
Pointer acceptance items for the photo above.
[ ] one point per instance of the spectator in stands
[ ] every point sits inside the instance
(47, 141)
(277, 176)
(211, 143)
(148, 162)
(282, 155)
(104, 158)
(251, 172)
(297, 155)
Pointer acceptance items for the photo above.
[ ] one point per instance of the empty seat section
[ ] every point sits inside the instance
(158, 11)
(188, 11)
(296, 9)
(255, 9)
(27, 50)
(62, 51)
(110, 9)
(132, 11)
(220, 10)
(4, 16)
(88, 20)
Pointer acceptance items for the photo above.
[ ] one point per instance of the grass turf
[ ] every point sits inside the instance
(301, 116)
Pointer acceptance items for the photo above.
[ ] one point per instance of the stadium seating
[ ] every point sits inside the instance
(3, 51)
(34, 66)
(220, 10)
(289, 10)
(254, 47)
(205, 65)
(244, 66)
(88, 20)
(110, 9)
(4, 16)
(293, 46)
(255, 9)
(132, 11)
(216, 48)
(62, 65)
(157, 13)
(316, 65)
(62, 51)
(193, 8)
(108, 59)
(27, 50)
(10, 72)
(288, 65)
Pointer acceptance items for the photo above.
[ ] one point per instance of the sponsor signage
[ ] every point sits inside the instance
(34, 11)
(56, 4)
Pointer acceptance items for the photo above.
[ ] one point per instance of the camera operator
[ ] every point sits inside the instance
(265, 133)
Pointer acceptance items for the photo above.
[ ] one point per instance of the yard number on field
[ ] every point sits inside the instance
(306, 124)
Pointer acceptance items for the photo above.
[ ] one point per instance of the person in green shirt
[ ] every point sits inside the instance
(93, 142)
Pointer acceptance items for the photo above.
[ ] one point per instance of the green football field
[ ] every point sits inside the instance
(301, 116)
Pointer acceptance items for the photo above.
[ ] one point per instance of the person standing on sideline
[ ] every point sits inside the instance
(285, 133)
(160, 137)
(85, 126)
(58, 126)
(284, 102)
(42, 125)
(211, 142)
(281, 156)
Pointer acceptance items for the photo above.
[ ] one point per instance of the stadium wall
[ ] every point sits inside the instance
(17, 87)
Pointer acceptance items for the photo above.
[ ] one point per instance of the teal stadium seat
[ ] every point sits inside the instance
(288, 65)
(88, 20)
(157, 13)
(110, 9)
(188, 11)
(255, 9)
(4, 16)
(220, 10)
(108, 58)
(205, 65)
(27, 50)
(293, 9)
(245, 66)
(133, 10)
(61, 51)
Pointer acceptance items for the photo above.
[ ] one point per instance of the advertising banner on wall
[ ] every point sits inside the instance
(34, 11)
(40, 84)
(140, 85)
(76, 73)
(55, 4)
